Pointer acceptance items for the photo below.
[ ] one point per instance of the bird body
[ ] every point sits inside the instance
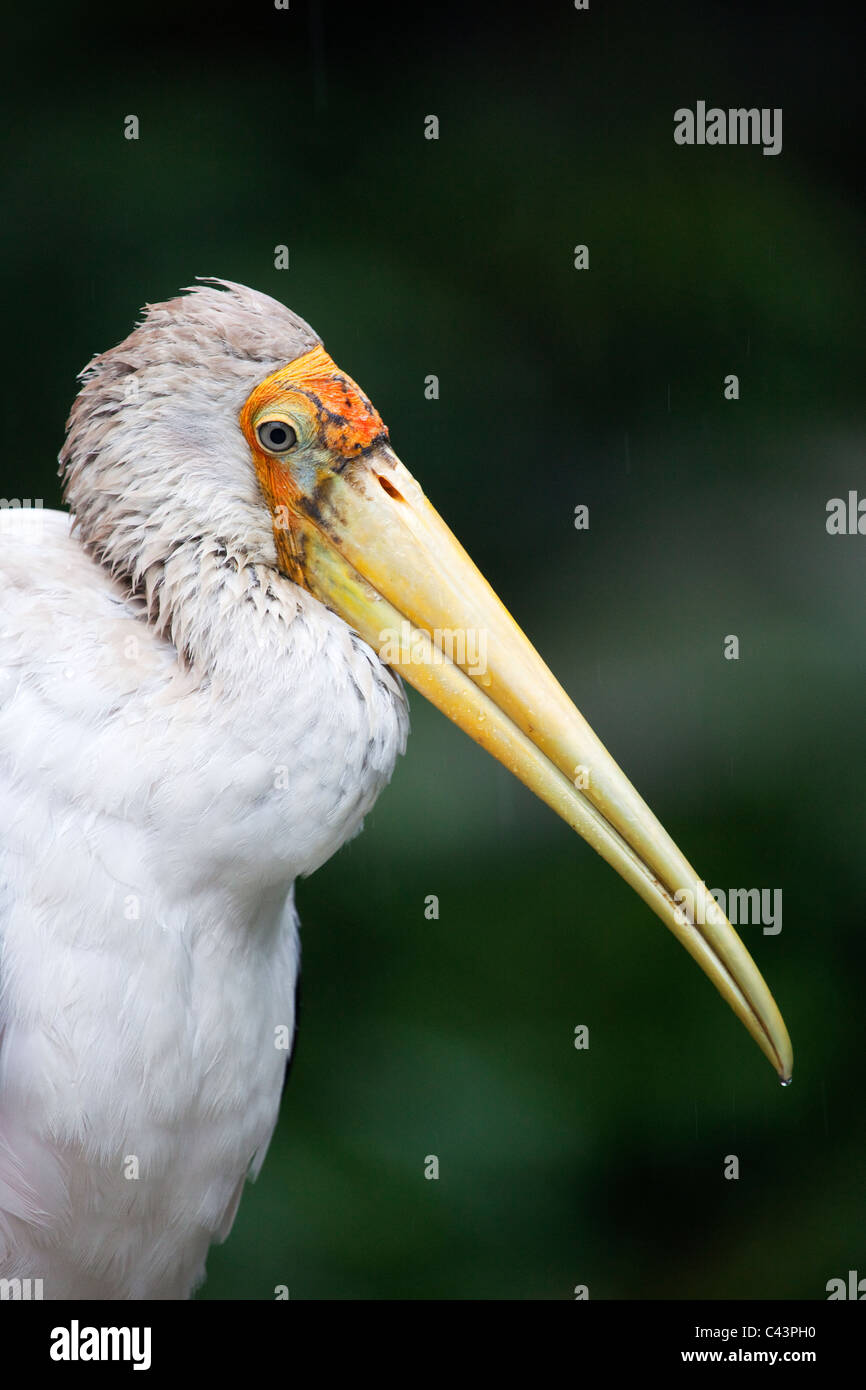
(155, 817)
(194, 711)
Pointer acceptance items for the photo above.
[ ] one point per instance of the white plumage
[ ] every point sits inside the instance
(158, 799)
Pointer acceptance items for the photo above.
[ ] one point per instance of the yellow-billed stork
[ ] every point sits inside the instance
(200, 701)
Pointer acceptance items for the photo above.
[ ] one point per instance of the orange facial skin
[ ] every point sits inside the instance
(335, 422)
(348, 424)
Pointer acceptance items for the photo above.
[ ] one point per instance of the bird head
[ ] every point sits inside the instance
(222, 421)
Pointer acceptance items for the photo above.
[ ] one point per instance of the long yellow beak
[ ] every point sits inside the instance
(371, 547)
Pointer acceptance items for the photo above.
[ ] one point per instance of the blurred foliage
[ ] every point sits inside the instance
(454, 1037)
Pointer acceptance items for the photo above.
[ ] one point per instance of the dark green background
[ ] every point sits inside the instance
(707, 518)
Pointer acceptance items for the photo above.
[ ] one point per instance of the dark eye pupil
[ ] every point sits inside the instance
(275, 435)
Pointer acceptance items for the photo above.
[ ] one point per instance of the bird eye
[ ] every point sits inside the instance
(276, 436)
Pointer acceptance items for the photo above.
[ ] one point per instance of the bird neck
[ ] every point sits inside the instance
(215, 605)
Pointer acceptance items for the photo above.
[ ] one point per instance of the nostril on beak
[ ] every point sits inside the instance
(390, 489)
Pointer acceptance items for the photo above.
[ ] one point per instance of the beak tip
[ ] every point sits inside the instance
(786, 1060)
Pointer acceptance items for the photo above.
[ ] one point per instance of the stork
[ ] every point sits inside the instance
(200, 700)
